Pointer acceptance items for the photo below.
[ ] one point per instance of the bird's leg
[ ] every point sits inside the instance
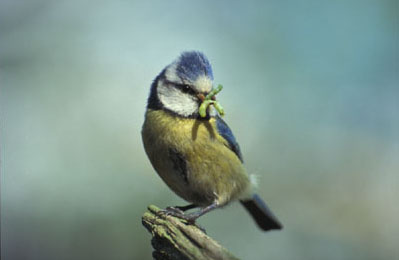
(188, 207)
(189, 217)
(178, 210)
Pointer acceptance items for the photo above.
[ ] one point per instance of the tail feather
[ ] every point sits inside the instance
(261, 213)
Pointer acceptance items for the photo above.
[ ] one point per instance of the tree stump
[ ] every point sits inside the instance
(175, 239)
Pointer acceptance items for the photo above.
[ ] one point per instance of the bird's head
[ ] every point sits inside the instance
(183, 85)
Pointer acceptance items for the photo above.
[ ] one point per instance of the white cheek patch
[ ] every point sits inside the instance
(173, 99)
(203, 84)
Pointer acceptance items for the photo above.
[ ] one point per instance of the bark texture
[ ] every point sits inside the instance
(175, 239)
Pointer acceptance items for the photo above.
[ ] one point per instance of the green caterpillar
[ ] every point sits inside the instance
(208, 101)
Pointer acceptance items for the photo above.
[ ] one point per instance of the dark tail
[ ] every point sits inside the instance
(261, 213)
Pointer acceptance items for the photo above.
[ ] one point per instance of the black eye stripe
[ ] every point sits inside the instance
(186, 89)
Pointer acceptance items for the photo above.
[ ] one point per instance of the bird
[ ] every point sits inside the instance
(196, 155)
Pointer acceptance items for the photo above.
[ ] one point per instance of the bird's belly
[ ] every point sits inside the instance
(193, 161)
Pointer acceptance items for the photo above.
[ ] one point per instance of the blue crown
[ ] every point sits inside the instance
(193, 64)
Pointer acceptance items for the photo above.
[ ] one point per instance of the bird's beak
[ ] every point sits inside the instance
(201, 97)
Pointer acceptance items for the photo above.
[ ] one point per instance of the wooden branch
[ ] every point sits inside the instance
(175, 239)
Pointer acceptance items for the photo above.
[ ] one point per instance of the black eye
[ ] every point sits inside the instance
(187, 89)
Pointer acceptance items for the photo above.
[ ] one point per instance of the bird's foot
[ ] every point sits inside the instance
(173, 211)
(176, 212)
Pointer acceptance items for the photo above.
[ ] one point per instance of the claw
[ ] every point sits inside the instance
(171, 211)
(190, 217)
(174, 210)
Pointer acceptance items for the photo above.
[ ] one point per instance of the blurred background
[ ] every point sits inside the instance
(311, 93)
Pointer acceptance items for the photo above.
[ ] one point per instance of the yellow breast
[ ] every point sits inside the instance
(214, 172)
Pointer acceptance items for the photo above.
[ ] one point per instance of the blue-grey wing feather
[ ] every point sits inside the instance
(224, 130)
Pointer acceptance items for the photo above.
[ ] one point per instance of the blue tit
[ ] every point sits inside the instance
(197, 157)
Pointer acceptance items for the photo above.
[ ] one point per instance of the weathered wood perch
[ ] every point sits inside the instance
(175, 239)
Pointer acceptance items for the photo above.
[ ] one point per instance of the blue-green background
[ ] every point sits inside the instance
(311, 91)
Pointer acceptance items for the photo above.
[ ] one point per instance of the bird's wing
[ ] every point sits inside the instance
(224, 130)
